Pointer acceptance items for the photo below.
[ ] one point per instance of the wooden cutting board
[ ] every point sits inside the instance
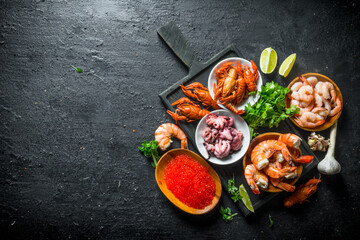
(199, 72)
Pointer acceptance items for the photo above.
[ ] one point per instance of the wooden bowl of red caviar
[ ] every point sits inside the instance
(271, 136)
(330, 120)
(164, 178)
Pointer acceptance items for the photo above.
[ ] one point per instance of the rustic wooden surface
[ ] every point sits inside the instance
(69, 165)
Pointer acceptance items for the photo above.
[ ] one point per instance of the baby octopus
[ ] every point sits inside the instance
(220, 137)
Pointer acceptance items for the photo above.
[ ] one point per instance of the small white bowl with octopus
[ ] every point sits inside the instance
(222, 137)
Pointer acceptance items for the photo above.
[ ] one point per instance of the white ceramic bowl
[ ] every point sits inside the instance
(212, 79)
(239, 124)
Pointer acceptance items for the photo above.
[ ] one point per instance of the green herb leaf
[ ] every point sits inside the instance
(226, 214)
(271, 221)
(269, 110)
(79, 70)
(150, 150)
(233, 190)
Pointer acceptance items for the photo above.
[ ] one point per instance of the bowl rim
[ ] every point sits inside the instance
(332, 119)
(175, 201)
(251, 100)
(244, 146)
(248, 154)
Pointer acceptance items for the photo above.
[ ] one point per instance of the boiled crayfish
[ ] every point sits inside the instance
(197, 91)
(302, 193)
(189, 111)
(234, 84)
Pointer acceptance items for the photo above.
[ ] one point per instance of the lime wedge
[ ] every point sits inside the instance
(287, 65)
(245, 198)
(268, 60)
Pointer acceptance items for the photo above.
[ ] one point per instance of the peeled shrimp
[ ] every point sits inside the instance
(321, 111)
(296, 86)
(337, 109)
(326, 89)
(312, 81)
(165, 132)
(319, 101)
(255, 178)
(305, 95)
(309, 120)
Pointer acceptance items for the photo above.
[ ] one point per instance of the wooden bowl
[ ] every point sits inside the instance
(270, 136)
(159, 175)
(330, 120)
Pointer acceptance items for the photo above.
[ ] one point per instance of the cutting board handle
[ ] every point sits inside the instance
(173, 37)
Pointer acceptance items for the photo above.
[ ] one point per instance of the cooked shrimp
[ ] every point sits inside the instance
(290, 140)
(255, 178)
(278, 182)
(165, 132)
(295, 102)
(337, 109)
(305, 93)
(321, 111)
(319, 101)
(310, 120)
(273, 172)
(264, 150)
(296, 86)
(291, 175)
(307, 108)
(312, 80)
(326, 90)
(278, 157)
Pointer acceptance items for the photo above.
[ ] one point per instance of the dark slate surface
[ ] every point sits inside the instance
(67, 138)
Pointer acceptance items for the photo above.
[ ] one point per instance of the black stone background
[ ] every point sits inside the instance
(67, 138)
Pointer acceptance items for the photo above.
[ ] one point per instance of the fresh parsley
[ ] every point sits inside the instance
(150, 150)
(233, 190)
(226, 214)
(269, 110)
(79, 70)
(271, 221)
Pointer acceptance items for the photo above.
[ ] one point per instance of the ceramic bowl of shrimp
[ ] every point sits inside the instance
(321, 122)
(271, 136)
(160, 174)
(213, 81)
(239, 124)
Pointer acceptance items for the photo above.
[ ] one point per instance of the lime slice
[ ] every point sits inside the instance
(268, 60)
(287, 65)
(245, 198)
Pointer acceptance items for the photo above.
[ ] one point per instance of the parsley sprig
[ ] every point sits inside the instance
(269, 110)
(226, 214)
(233, 190)
(150, 150)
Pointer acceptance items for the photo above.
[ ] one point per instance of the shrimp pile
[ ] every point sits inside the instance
(317, 100)
(220, 137)
(273, 161)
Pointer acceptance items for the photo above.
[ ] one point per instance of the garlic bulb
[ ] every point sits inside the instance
(329, 165)
(318, 142)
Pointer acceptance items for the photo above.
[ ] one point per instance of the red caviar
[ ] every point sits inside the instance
(189, 181)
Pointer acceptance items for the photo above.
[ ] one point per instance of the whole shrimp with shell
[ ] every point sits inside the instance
(278, 160)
